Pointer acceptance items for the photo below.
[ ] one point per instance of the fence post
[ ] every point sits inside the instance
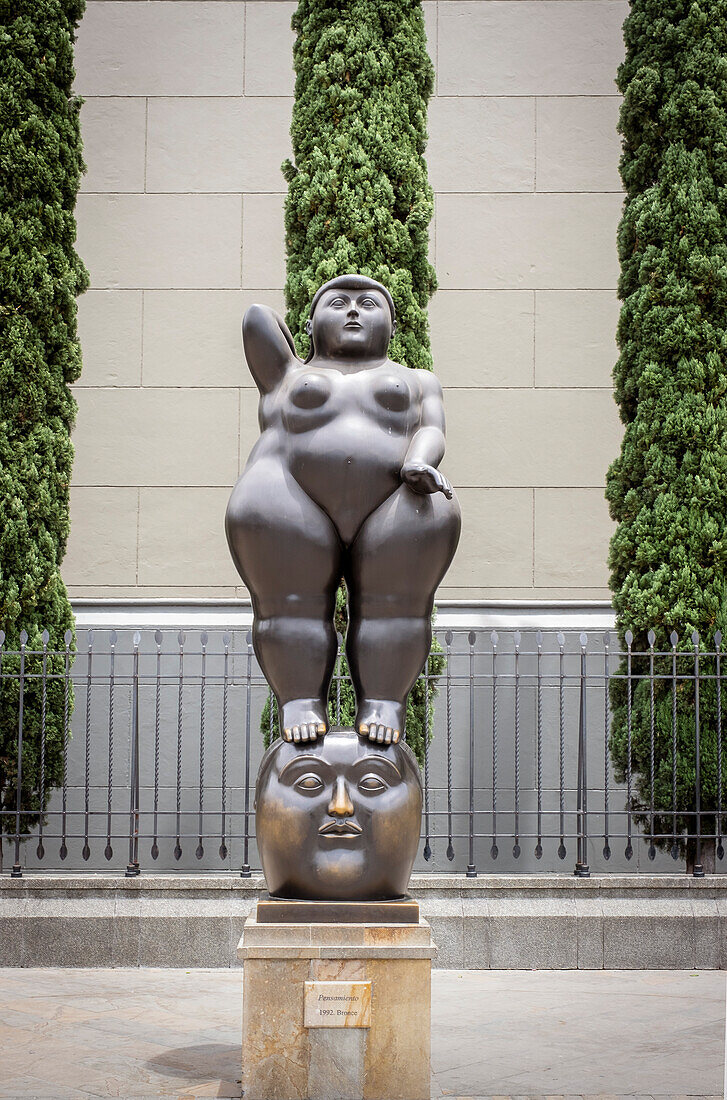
(494, 850)
(581, 869)
(561, 743)
(651, 638)
(674, 638)
(158, 638)
(40, 850)
(449, 638)
(718, 644)
(17, 871)
(226, 638)
(67, 638)
(199, 851)
(629, 850)
(427, 851)
(539, 744)
(245, 872)
(698, 868)
(606, 793)
(471, 867)
(133, 869)
(108, 850)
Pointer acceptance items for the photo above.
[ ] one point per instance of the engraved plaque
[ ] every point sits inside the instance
(337, 1004)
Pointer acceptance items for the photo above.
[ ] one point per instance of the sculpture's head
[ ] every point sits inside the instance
(353, 317)
(338, 819)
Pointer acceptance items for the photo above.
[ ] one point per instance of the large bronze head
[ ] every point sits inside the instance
(338, 819)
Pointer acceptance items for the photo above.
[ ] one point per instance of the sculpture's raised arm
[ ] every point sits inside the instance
(269, 347)
(426, 449)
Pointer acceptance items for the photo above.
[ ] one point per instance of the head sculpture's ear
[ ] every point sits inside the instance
(393, 329)
(308, 327)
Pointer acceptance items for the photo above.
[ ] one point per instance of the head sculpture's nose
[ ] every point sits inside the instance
(352, 310)
(340, 804)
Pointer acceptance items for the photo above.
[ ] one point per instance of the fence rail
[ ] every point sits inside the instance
(154, 765)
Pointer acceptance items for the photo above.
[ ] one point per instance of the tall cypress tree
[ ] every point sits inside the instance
(40, 276)
(358, 194)
(668, 488)
(359, 200)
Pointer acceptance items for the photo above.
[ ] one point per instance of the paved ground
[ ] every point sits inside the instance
(497, 1035)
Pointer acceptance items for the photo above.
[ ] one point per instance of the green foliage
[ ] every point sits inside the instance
(674, 722)
(342, 701)
(668, 488)
(358, 195)
(40, 168)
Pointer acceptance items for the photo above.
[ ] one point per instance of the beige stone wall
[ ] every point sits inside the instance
(180, 222)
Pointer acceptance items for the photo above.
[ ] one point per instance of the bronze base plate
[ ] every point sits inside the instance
(290, 911)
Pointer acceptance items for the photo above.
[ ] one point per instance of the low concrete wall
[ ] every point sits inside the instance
(498, 921)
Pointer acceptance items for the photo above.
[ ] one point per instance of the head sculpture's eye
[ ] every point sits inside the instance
(309, 783)
(372, 784)
(370, 303)
(337, 302)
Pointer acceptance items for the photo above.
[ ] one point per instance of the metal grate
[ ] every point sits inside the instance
(158, 761)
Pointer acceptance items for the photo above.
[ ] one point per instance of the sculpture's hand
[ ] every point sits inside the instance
(425, 479)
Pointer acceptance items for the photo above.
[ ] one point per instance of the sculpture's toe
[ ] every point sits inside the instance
(382, 722)
(287, 735)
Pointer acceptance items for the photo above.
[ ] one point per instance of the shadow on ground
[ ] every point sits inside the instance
(205, 1061)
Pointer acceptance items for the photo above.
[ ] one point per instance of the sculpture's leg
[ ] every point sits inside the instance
(398, 558)
(289, 556)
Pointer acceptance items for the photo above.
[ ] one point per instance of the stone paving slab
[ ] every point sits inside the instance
(496, 1035)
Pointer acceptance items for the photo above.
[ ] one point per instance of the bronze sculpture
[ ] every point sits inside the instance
(338, 818)
(342, 483)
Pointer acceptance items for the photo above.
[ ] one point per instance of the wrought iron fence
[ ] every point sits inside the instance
(156, 761)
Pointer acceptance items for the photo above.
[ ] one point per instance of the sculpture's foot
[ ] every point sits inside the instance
(303, 719)
(380, 720)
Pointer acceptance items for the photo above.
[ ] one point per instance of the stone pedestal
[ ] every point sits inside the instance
(363, 989)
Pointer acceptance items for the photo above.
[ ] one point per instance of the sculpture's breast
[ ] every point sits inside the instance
(392, 394)
(310, 390)
(308, 401)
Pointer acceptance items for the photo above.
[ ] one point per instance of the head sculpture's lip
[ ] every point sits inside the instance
(341, 828)
(353, 324)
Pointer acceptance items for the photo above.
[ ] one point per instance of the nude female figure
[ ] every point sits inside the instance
(342, 483)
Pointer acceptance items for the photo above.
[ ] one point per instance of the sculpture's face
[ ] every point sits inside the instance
(352, 323)
(338, 819)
